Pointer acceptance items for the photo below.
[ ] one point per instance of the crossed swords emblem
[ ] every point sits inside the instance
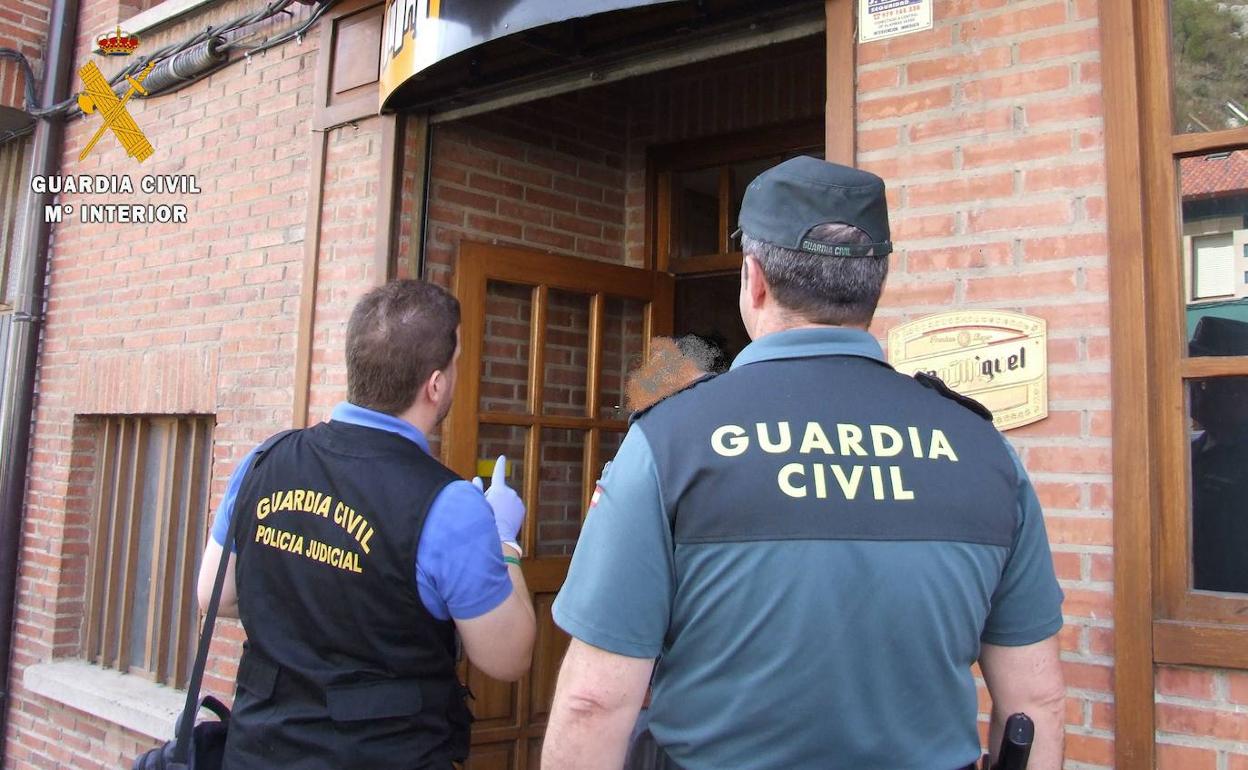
(99, 95)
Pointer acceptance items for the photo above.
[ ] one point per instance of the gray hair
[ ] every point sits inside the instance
(824, 290)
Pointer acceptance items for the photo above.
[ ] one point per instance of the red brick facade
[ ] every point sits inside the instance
(166, 319)
(988, 130)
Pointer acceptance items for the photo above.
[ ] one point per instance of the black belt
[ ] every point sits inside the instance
(646, 753)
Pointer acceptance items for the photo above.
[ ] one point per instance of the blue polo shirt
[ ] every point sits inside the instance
(459, 570)
(802, 653)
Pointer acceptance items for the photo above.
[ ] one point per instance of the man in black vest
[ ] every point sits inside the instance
(359, 559)
(815, 548)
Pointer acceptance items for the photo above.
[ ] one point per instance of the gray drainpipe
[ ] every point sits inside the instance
(21, 364)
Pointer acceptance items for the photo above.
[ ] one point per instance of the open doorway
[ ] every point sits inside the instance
(706, 307)
(697, 188)
(574, 228)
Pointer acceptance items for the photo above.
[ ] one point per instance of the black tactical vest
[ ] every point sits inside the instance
(829, 447)
(344, 666)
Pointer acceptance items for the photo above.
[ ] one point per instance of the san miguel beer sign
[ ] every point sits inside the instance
(995, 357)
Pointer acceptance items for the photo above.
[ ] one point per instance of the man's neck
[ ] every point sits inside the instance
(770, 323)
(420, 416)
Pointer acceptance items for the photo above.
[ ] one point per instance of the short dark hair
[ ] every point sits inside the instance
(823, 290)
(398, 336)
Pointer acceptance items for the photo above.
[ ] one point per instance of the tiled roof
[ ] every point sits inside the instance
(1215, 174)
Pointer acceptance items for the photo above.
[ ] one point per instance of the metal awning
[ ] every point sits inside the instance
(465, 57)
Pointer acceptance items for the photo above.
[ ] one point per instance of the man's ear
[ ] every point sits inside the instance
(753, 281)
(434, 386)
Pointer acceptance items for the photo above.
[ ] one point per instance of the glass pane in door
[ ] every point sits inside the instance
(623, 340)
(706, 307)
(495, 440)
(505, 349)
(560, 496)
(695, 200)
(565, 374)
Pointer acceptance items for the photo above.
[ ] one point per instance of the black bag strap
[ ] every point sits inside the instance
(186, 723)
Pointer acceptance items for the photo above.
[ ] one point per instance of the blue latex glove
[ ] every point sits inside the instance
(507, 505)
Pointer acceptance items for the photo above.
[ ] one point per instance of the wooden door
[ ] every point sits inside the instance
(546, 345)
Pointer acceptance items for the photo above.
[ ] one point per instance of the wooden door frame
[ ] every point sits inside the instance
(840, 123)
(477, 264)
(1134, 490)
(1156, 621)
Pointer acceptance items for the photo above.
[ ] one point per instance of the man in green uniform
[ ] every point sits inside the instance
(815, 548)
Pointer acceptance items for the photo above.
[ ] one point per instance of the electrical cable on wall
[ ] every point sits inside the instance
(27, 73)
(179, 64)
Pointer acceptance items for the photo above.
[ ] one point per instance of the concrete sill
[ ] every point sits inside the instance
(130, 701)
(162, 13)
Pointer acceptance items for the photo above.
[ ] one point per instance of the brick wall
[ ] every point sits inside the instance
(988, 131)
(346, 267)
(499, 178)
(1202, 719)
(197, 318)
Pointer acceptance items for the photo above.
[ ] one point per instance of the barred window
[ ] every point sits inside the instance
(13, 177)
(149, 521)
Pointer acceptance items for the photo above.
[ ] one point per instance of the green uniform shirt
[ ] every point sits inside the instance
(801, 653)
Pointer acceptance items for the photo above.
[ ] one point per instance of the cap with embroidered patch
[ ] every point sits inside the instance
(785, 202)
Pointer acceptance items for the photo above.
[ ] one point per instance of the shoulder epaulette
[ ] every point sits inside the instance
(938, 385)
(271, 442)
(640, 412)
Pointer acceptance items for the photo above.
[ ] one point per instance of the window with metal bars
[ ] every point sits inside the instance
(149, 521)
(13, 178)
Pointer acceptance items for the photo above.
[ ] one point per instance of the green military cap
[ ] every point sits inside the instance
(784, 203)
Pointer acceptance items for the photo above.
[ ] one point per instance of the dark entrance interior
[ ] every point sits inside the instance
(574, 227)
(706, 306)
(699, 186)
